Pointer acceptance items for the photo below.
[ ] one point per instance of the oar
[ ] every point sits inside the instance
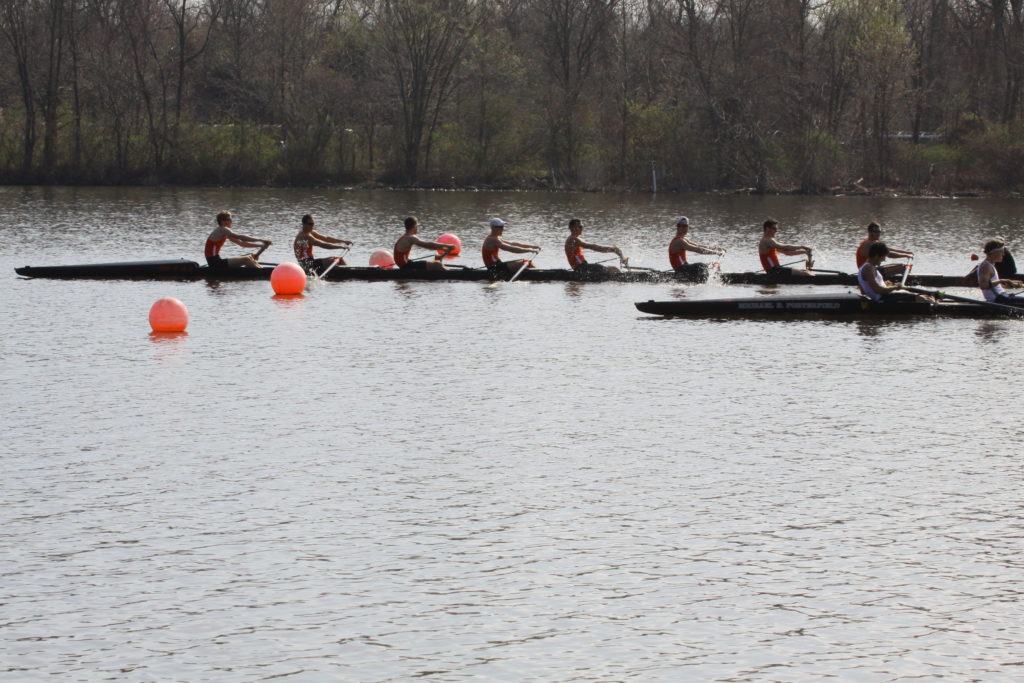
(649, 270)
(337, 260)
(526, 262)
(609, 259)
(792, 263)
(820, 270)
(906, 272)
(256, 256)
(963, 299)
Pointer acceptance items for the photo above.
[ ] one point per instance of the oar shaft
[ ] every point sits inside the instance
(526, 262)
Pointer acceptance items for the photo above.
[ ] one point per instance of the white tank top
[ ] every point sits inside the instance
(865, 287)
(995, 289)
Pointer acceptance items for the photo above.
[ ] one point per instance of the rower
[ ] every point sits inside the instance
(768, 249)
(574, 247)
(309, 238)
(681, 244)
(406, 242)
(874, 286)
(494, 243)
(223, 233)
(989, 281)
(893, 270)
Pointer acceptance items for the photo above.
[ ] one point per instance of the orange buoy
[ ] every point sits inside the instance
(168, 315)
(382, 258)
(449, 238)
(974, 257)
(288, 278)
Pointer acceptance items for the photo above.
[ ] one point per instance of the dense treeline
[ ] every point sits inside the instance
(924, 95)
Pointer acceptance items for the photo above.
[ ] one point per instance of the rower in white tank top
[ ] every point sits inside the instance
(873, 293)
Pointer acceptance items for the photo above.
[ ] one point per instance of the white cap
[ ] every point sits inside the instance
(497, 223)
(682, 220)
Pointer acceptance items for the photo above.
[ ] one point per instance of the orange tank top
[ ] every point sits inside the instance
(491, 256)
(303, 250)
(213, 246)
(401, 257)
(770, 260)
(862, 255)
(678, 259)
(575, 257)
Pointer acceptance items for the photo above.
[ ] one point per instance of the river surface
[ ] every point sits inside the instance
(462, 481)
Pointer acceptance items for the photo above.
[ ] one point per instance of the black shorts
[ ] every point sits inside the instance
(217, 263)
(499, 271)
(693, 272)
(414, 265)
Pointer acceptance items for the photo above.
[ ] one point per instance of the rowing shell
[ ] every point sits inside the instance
(812, 305)
(182, 269)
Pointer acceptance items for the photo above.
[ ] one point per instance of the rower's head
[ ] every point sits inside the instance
(877, 252)
(771, 226)
(682, 225)
(224, 218)
(874, 230)
(412, 224)
(575, 226)
(307, 223)
(994, 249)
(497, 226)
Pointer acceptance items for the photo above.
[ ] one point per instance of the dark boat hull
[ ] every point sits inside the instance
(793, 306)
(182, 269)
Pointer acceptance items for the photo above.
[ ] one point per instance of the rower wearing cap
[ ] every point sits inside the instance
(988, 275)
(495, 243)
(309, 238)
(874, 285)
(768, 248)
(875, 236)
(223, 233)
(407, 241)
(681, 244)
(574, 247)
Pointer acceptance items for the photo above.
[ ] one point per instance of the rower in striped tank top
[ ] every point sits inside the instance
(308, 238)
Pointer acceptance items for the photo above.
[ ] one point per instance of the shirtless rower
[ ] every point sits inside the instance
(768, 249)
(406, 242)
(574, 247)
(309, 238)
(223, 233)
(892, 270)
(681, 244)
(873, 284)
(495, 243)
(989, 282)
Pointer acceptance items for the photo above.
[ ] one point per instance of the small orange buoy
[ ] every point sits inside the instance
(382, 258)
(288, 278)
(449, 238)
(168, 315)
(974, 257)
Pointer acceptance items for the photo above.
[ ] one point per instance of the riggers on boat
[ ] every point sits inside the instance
(840, 305)
(182, 269)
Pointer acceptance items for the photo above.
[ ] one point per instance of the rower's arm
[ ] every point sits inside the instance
(899, 253)
(430, 245)
(246, 240)
(600, 248)
(326, 245)
(700, 248)
(791, 249)
(516, 247)
(332, 240)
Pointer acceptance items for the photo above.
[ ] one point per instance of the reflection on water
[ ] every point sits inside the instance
(377, 481)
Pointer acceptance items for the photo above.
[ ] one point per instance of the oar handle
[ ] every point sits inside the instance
(261, 250)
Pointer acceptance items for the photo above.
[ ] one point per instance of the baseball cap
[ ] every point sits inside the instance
(497, 223)
(682, 220)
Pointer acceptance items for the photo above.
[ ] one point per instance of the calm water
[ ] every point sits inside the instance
(456, 481)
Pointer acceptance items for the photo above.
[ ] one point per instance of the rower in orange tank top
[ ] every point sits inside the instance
(574, 247)
(223, 233)
(768, 249)
(494, 243)
(893, 270)
(405, 243)
(680, 244)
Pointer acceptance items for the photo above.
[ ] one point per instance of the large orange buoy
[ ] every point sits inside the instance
(168, 315)
(449, 238)
(382, 258)
(288, 278)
